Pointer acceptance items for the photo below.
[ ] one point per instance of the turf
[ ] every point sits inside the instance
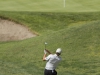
(40, 22)
(74, 28)
(50, 5)
(77, 34)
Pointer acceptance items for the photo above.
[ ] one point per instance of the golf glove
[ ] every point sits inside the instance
(45, 52)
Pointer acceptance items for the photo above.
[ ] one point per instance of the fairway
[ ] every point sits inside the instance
(50, 5)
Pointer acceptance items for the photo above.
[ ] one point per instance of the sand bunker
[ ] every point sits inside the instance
(11, 31)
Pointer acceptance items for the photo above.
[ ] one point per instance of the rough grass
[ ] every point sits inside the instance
(77, 34)
(39, 22)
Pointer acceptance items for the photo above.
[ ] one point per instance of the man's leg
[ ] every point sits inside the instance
(54, 72)
(48, 72)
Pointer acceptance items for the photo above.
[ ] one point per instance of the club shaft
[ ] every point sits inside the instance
(45, 46)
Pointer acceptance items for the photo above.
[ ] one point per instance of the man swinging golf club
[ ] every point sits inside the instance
(52, 61)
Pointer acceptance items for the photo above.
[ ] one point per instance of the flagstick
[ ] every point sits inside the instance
(64, 4)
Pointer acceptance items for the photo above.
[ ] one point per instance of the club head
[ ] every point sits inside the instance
(46, 43)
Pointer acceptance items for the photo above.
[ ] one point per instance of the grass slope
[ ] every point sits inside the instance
(50, 5)
(77, 34)
(41, 23)
(80, 55)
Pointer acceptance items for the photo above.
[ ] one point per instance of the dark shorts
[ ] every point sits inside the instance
(50, 72)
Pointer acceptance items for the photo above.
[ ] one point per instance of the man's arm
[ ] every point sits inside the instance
(45, 54)
(48, 51)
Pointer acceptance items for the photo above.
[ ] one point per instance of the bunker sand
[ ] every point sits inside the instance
(10, 31)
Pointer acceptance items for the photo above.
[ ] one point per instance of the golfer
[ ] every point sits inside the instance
(52, 61)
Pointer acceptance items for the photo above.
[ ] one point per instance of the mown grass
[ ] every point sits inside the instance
(76, 33)
(50, 5)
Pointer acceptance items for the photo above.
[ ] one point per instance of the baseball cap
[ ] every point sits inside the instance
(58, 50)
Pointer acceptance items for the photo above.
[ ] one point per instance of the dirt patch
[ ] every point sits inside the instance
(10, 31)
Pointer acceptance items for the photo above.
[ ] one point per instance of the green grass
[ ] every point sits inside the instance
(40, 23)
(76, 33)
(50, 5)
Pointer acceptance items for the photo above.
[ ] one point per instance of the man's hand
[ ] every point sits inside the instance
(45, 54)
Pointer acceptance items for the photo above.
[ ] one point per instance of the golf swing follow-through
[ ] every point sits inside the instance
(52, 61)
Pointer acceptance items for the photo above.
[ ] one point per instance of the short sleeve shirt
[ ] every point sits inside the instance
(52, 61)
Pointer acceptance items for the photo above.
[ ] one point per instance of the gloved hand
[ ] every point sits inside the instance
(45, 52)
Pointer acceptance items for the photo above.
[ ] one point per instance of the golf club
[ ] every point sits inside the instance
(45, 44)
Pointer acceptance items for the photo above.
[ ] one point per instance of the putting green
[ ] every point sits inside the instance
(50, 5)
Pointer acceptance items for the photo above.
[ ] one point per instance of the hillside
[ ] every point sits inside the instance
(77, 34)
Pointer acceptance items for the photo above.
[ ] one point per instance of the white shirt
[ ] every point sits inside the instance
(52, 61)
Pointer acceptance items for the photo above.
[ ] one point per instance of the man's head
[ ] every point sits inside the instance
(58, 51)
